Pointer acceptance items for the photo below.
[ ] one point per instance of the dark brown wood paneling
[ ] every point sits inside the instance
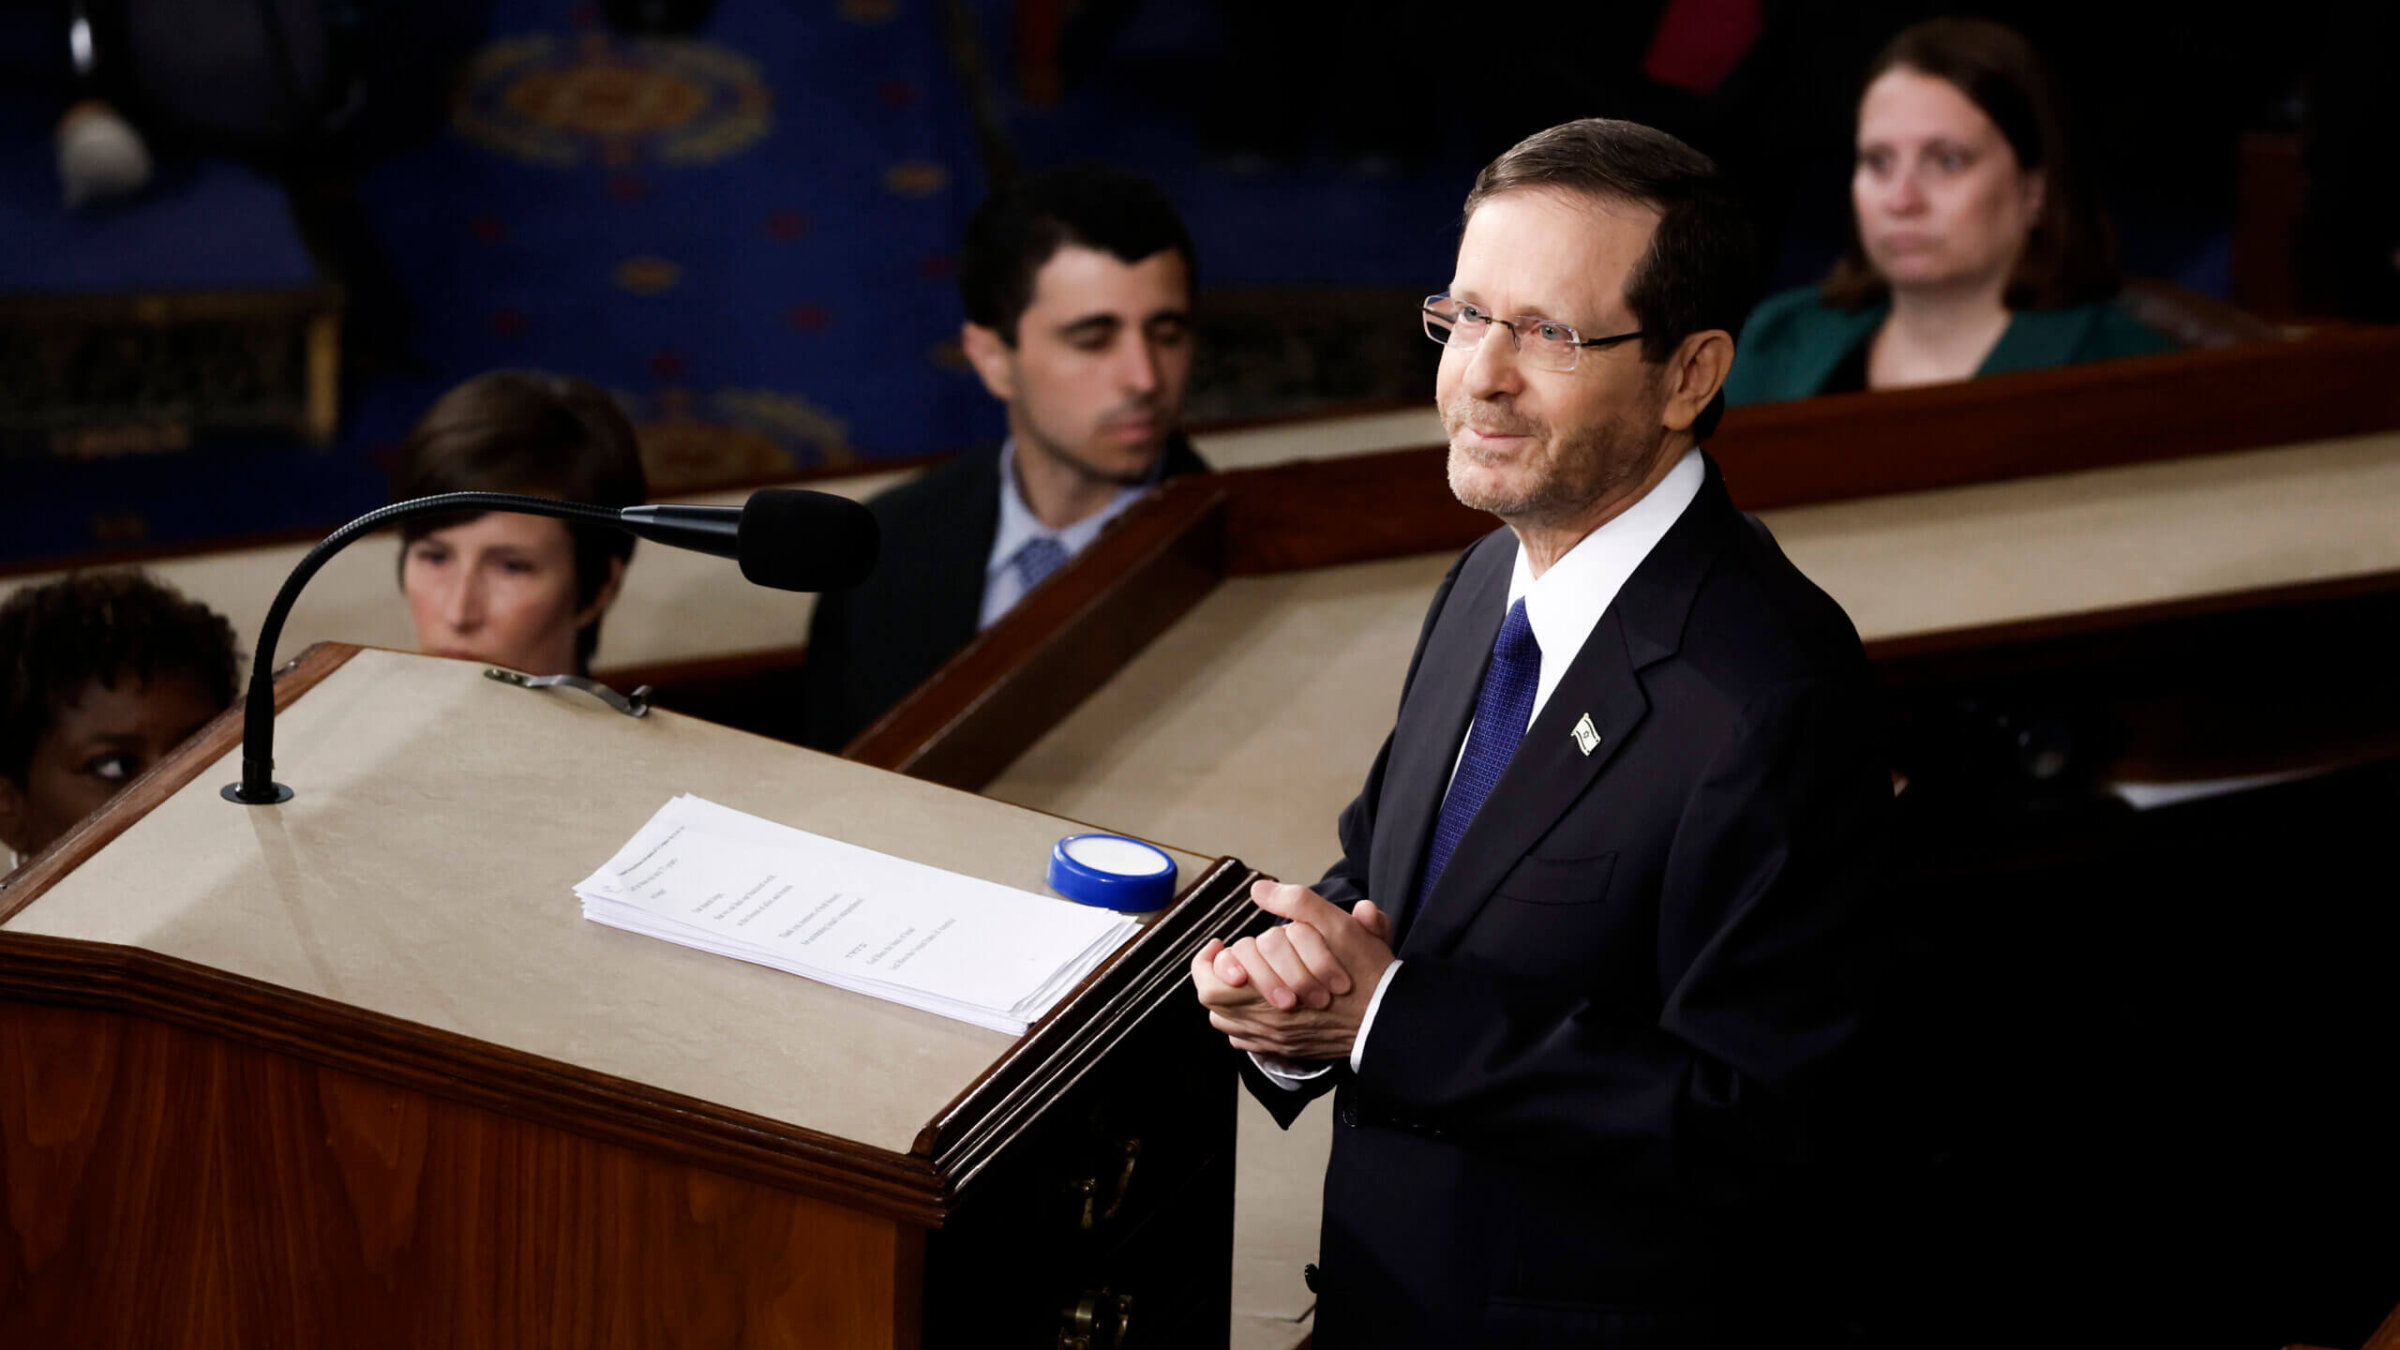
(57, 972)
(1327, 512)
(1062, 641)
(167, 1188)
(1321, 513)
(2060, 421)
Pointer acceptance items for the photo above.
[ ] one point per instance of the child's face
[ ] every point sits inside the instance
(103, 739)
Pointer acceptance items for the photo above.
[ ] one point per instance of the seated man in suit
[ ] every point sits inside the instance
(1078, 289)
(1604, 930)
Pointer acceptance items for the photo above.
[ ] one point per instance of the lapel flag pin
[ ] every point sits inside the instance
(1586, 738)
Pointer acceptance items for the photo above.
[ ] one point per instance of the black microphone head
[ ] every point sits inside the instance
(807, 541)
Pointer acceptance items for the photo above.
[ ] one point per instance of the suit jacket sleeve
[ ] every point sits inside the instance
(868, 647)
(1769, 949)
(1345, 884)
(824, 720)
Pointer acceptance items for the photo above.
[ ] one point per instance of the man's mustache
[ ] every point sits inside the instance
(1479, 419)
(1148, 410)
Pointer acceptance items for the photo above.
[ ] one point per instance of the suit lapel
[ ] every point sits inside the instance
(1642, 626)
(1433, 718)
(952, 586)
(1549, 771)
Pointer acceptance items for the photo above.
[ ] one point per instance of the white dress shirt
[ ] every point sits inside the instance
(1002, 586)
(1562, 606)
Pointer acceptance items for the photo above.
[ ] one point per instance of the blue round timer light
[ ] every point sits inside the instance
(1112, 872)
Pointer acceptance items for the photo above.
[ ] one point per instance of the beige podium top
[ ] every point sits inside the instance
(424, 870)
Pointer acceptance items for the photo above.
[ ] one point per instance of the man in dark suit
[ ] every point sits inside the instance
(1585, 1037)
(1078, 290)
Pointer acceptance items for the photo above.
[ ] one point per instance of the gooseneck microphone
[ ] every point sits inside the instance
(786, 538)
(783, 537)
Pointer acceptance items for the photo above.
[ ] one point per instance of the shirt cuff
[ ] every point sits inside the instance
(1358, 1047)
(1288, 1074)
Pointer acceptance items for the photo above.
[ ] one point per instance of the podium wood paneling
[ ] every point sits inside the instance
(171, 1188)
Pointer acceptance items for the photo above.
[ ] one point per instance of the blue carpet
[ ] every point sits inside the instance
(749, 236)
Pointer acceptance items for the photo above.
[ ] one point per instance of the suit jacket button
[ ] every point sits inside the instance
(1349, 1114)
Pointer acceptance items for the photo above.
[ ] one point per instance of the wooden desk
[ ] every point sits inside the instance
(353, 1070)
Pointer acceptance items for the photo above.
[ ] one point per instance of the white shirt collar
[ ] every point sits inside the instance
(1566, 602)
(1018, 523)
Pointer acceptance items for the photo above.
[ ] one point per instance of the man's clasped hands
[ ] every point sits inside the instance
(1299, 990)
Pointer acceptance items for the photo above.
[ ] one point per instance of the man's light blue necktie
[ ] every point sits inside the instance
(1502, 709)
(1038, 558)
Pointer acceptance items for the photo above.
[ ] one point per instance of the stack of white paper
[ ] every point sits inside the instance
(722, 881)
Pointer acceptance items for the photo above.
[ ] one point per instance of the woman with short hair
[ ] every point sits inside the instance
(520, 591)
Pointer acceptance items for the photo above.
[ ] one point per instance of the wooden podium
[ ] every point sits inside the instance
(354, 1071)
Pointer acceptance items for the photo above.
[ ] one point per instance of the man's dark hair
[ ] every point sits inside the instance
(2070, 255)
(1017, 229)
(541, 435)
(60, 638)
(1701, 270)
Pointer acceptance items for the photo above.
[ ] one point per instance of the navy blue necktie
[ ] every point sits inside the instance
(1502, 708)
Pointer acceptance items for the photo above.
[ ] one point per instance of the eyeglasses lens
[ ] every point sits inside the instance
(1548, 346)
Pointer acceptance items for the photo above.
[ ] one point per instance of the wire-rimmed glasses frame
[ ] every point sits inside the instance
(1545, 343)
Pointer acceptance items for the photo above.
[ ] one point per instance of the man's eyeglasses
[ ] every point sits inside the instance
(1544, 343)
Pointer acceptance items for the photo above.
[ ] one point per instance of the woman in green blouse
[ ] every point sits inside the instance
(1977, 249)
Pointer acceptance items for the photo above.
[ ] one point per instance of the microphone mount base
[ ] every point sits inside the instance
(239, 796)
